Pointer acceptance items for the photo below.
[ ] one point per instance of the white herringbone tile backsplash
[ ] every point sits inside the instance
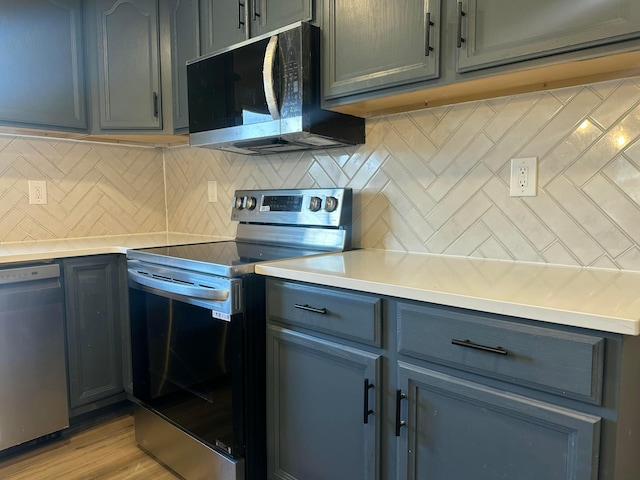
(436, 180)
(93, 189)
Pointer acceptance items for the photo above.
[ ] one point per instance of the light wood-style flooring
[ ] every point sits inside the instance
(107, 451)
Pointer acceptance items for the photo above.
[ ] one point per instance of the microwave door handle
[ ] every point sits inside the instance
(267, 77)
(185, 290)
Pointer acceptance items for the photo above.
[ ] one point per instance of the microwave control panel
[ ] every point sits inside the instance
(292, 46)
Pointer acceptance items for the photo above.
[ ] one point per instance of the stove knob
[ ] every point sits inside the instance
(238, 204)
(331, 204)
(315, 203)
(251, 203)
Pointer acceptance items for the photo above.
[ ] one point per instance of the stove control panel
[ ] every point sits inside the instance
(329, 207)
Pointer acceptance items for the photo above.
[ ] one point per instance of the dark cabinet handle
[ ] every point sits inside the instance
(477, 346)
(461, 14)
(240, 19)
(322, 311)
(399, 423)
(367, 411)
(155, 105)
(256, 14)
(427, 34)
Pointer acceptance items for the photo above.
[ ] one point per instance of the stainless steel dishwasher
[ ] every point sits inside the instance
(33, 379)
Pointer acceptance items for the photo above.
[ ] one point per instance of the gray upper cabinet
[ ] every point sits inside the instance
(42, 64)
(267, 15)
(377, 43)
(222, 23)
(225, 22)
(499, 32)
(185, 45)
(128, 64)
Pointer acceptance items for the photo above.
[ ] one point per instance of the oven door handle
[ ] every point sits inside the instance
(186, 290)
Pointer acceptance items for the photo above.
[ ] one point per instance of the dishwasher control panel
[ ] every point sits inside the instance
(28, 274)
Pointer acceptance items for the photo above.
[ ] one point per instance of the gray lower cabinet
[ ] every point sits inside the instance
(456, 394)
(377, 44)
(459, 429)
(93, 292)
(42, 64)
(316, 423)
(124, 36)
(496, 33)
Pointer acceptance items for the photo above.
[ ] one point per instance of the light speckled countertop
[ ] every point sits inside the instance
(75, 247)
(607, 300)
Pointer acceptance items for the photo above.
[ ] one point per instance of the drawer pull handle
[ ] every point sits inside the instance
(322, 311)
(399, 423)
(484, 348)
(367, 410)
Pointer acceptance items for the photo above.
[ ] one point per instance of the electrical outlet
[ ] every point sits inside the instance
(524, 177)
(212, 191)
(37, 192)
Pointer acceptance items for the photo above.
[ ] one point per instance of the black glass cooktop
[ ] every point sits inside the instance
(227, 258)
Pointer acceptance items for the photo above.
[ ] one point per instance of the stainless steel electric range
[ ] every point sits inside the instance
(198, 331)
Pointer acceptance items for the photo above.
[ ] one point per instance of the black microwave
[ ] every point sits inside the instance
(263, 96)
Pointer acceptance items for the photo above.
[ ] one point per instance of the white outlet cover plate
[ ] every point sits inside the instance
(529, 190)
(37, 192)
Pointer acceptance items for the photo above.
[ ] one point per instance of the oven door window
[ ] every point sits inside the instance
(188, 367)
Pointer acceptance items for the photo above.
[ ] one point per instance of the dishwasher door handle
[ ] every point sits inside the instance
(179, 289)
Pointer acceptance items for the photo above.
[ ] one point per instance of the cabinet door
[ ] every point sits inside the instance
(94, 354)
(268, 15)
(128, 64)
(373, 44)
(185, 45)
(222, 23)
(315, 411)
(497, 32)
(460, 429)
(41, 63)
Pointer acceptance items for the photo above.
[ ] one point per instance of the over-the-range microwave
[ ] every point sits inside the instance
(263, 96)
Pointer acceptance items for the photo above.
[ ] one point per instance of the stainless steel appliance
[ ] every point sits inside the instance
(33, 378)
(263, 96)
(198, 331)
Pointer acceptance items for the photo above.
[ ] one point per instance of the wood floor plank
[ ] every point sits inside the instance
(104, 452)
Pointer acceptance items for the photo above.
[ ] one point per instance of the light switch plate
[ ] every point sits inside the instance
(212, 191)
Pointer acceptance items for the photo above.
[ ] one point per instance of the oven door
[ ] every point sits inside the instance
(188, 366)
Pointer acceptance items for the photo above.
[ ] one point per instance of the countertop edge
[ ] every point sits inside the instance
(45, 250)
(603, 323)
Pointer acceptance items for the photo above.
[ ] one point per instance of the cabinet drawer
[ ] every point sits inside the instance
(564, 363)
(344, 314)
